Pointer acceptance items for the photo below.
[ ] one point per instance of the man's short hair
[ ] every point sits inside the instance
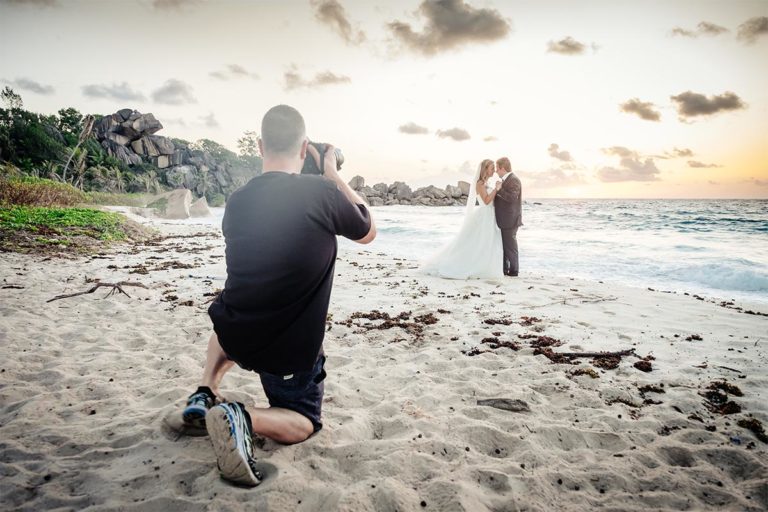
(282, 130)
(503, 162)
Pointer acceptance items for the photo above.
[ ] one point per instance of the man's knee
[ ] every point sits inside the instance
(299, 432)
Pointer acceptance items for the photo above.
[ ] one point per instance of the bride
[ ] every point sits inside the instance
(476, 251)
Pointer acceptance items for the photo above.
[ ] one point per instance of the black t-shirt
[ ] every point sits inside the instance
(280, 232)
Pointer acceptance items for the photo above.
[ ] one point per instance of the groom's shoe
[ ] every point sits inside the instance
(510, 274)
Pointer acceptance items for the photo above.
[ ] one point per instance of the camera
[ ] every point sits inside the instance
(311, 167)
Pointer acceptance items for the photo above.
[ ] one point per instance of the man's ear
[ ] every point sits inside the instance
(261, 147)
(304, 149)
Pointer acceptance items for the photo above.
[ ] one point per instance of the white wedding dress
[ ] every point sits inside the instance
(476, 251)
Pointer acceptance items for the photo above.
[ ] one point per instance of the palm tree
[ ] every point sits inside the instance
(84, 134)
(80, 168)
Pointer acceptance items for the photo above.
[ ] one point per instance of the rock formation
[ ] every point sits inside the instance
(382, 194)
(172, 205)
(129, 136)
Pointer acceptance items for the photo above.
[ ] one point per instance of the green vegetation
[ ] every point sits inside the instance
(57, 221)
(58, 147)
(111, 199)
(31, 191)
(49, 230)
(160, 205)
(37, 215)
(215, 200)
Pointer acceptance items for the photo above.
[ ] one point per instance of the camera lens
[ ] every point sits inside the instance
(339, 158)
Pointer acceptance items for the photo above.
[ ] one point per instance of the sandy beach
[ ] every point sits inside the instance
(91, 387)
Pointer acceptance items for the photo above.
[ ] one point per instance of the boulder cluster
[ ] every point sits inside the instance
(398, 192)
(129, 136)
(176, 204)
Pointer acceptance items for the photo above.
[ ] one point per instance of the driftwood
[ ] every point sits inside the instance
(574, 355)
(116, 288)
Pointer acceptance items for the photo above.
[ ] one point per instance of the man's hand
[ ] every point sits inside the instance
(329, 168)
(330, 163)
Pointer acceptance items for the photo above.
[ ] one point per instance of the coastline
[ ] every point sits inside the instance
(89, 383)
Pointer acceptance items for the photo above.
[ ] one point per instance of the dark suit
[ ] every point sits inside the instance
(508, 206)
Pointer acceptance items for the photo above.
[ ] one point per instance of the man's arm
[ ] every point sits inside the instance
(508, 190)
(332, 174)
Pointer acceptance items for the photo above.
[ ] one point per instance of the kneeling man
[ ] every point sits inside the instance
(280, 232)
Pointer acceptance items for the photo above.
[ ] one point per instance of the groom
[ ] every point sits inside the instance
(509, 213)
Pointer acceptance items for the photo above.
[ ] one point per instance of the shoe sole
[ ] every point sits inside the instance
(232, 465)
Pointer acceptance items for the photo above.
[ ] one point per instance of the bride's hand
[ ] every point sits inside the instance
(498, 186)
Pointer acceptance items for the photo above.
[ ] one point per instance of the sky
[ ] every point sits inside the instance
(609, 98)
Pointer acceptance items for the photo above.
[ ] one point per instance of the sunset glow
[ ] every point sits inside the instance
(587, 99)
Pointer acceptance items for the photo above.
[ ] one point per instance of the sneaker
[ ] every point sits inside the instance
(229, 427)
(198, 404)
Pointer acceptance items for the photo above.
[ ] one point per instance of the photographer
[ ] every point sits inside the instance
(280, 232)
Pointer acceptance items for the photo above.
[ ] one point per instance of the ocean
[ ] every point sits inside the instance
(716, 248)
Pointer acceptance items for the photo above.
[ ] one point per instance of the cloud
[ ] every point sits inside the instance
(170, 5)
(758, 182)
(676, 153)
(120, 92)
(25, 84)
(677, 31)
(631, 167)
(753, 28)
(413, 129)
(554, 152)
(551, 178)
(33, 3)
(644, 110)
(619, 151)
(490, 138)
(233, 71)
(701, 165)
(294, 80)
(174, 92)
(332, 13)
(450, 24)
(682, 152)
(691, 104)
(704, 28)
(210, 120)
(567, 46)
(175, 120)
(708, 28)
(457, 134)
(238, 70)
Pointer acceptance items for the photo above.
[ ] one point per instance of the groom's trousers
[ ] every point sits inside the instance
(511, 255)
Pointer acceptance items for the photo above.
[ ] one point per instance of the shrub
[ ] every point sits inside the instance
(72, 221)
(215, 199)
(161, 204)
(29, 191)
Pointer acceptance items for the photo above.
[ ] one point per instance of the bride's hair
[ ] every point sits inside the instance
(482, 170)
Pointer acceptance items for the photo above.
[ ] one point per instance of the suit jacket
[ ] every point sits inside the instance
(508, 204)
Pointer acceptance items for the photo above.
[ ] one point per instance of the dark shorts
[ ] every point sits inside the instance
(302, 392)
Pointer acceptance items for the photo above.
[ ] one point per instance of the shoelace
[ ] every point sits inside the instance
(198, 397)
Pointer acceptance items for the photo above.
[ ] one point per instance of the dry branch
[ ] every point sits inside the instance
(620, 353)
(116, 288)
